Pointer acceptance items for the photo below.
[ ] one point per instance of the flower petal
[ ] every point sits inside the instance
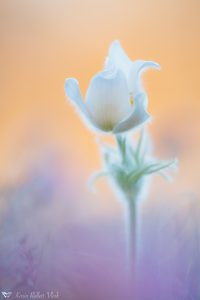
(138, 116)
(136, 70)
(107, 98)
(118, 58)
(72, 90)
(132, 70)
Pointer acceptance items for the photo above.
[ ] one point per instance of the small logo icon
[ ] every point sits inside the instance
(6, 294)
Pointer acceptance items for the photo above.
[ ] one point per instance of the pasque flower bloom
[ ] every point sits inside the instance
(115, 101)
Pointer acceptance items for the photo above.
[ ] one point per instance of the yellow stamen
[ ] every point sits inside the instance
(131, 99)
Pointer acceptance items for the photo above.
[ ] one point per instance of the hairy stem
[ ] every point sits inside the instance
(132, 234)
(131, 193)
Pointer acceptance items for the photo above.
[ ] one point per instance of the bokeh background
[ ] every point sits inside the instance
(55, 233)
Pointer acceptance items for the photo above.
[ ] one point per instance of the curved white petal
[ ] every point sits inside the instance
(72, 90)
(138, 116)
(107, 98)
(136, 70)
(118, 58)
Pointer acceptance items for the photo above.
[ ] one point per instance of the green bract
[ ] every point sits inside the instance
(129, 165)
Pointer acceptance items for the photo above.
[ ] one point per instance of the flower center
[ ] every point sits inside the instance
(107, 126)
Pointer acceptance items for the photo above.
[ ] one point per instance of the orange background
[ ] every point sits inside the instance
(43, 42)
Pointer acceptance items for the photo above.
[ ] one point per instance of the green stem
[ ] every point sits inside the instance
(132, 234)
(131, 218)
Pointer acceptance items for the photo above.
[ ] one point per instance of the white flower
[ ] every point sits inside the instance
(115, 101)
